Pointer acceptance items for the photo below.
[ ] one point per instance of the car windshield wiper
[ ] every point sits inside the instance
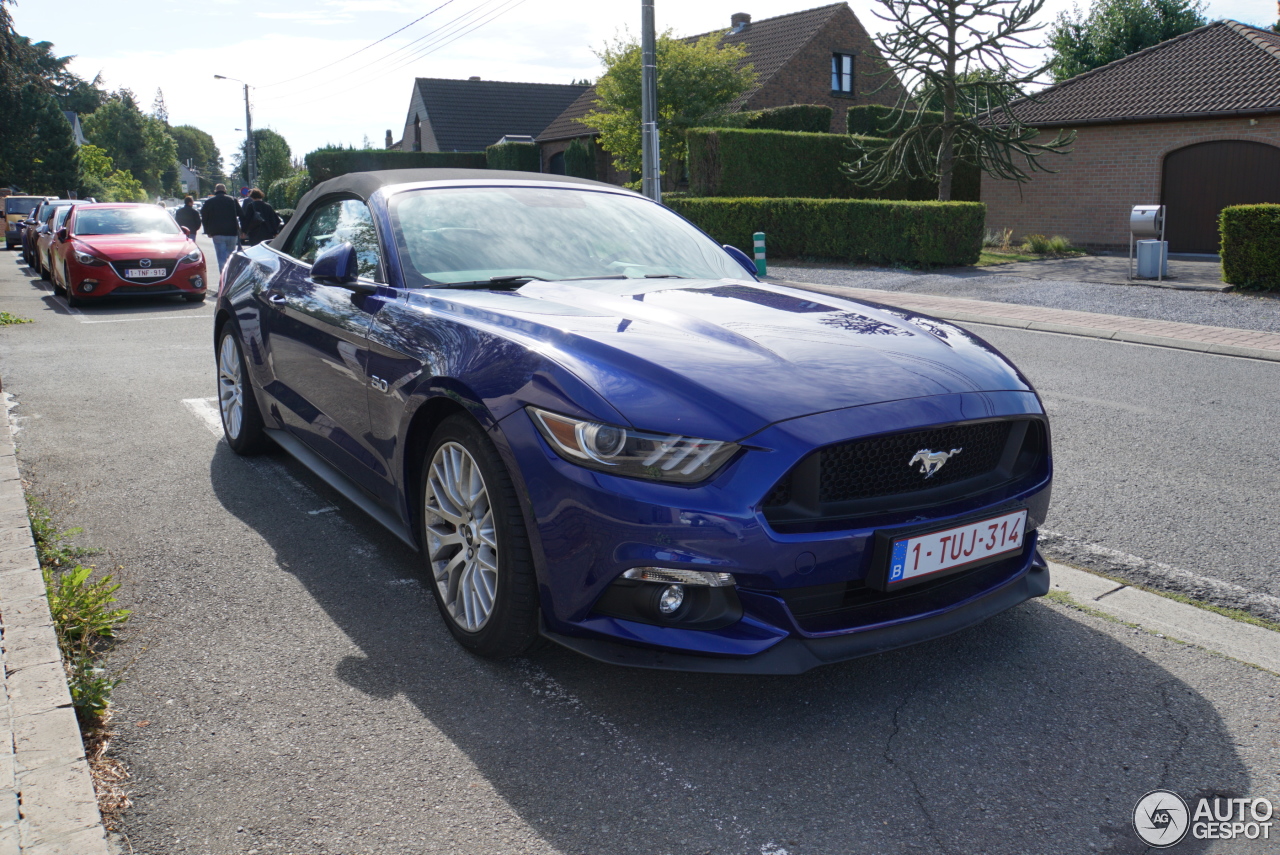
(491, 281)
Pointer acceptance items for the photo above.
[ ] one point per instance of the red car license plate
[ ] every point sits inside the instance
(924, 554)
(145, 273)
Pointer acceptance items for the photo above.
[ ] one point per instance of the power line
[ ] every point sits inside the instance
(499, 12)
(444, 29)
(361, 50)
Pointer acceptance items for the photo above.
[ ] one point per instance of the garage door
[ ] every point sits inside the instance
(1200, 180)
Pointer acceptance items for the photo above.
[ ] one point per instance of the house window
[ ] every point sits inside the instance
(842, 72)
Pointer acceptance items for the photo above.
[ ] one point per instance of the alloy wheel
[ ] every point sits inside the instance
(462, 543)
(230, 386)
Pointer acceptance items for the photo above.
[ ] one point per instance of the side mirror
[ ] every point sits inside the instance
(186, 231)
(743, 259)
(337, 264)
(63, 236)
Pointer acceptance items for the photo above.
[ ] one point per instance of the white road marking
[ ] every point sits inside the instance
(206, 409)
(1153, 573)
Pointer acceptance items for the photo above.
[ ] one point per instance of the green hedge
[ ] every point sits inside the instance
(1251, 246)
(324, 165)
(580, 160)
(285, 192)
(516, 156)
(735, 162)
(809, 118)
(876, 231)
(872, 120)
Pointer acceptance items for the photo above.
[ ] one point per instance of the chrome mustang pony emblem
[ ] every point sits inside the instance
(931, 461)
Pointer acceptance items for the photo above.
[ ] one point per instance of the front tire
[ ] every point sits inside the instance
(476, 545)
(241, 419)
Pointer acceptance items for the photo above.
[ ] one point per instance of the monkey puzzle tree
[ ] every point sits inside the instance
(958, 52)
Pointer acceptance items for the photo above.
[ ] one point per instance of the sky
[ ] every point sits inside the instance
(297, 54)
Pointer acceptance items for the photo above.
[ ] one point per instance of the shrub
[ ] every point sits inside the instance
(786, 164)
(285, 214)
(1038, 244)
(518, 157)
(323, 165)
(286, 192)
(1251, 246)
(580, 160)
(809, 118)
(997, 238)
(873, 120)
(882, 232)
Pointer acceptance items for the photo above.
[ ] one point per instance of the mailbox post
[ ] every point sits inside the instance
(1146, 222)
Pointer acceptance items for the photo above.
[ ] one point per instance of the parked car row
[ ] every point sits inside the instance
(91, 250)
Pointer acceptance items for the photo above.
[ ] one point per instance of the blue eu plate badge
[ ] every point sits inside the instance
(898, 564)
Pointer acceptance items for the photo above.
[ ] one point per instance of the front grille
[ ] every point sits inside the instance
(878, 466)
(876, 475)
(168, 265)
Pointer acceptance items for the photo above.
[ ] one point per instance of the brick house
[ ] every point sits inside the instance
(468, 115)
(817, 56)
(1192, 123)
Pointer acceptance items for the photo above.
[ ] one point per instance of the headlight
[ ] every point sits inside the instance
(86, 258)
(191, 257)
(633, 453)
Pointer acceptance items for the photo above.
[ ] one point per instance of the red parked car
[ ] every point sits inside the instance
(109, 250)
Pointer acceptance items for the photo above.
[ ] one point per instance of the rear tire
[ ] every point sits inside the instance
(44, 273)
(476, 544)
(238, 405)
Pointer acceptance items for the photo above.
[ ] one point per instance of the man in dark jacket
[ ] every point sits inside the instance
(187, 216)
(258, 220)
(221, 218)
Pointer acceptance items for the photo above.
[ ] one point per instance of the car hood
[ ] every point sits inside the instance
(137, 246)
(723, 359)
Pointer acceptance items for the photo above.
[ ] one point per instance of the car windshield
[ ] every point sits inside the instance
(126, 221)
(20, 204)
(453, 235)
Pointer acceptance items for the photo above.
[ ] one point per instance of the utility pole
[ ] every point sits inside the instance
(651, 163)
(250, 150)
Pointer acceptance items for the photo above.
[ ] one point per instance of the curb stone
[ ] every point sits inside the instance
(1249, 643)
(47, 802)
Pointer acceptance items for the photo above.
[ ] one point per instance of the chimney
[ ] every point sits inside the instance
(390, 139)
(473, 78)
(741, 20)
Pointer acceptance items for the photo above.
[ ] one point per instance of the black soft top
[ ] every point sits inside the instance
(364, 184)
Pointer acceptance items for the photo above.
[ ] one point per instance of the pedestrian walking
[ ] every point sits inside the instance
(187, 216)
(258, 220)
(221, 219)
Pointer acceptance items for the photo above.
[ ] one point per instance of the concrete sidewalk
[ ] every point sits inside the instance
(1227, 341)
(47, 801)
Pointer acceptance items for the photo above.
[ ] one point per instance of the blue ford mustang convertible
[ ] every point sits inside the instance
(597, 426)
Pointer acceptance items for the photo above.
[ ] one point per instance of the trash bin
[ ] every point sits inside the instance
(1153, 259)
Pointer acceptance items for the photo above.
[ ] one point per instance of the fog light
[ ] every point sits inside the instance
(671, 599)
(197, 282)
(87, 285)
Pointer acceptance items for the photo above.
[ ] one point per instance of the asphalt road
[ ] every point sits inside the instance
(291, 689)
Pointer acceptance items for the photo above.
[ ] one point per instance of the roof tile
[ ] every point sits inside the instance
(468, 115)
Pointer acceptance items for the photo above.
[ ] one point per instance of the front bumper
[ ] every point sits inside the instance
(587, 528)
(107, 283)
(795, 655)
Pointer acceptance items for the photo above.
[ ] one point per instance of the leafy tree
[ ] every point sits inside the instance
(101, 180)
(1113, 29)
(198, 147)
(697, 84)
(958, 51)
(43, 158)
(275, 159)
(158, 108)
(136, 143)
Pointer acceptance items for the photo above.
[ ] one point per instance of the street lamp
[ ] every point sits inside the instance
(250, 150)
